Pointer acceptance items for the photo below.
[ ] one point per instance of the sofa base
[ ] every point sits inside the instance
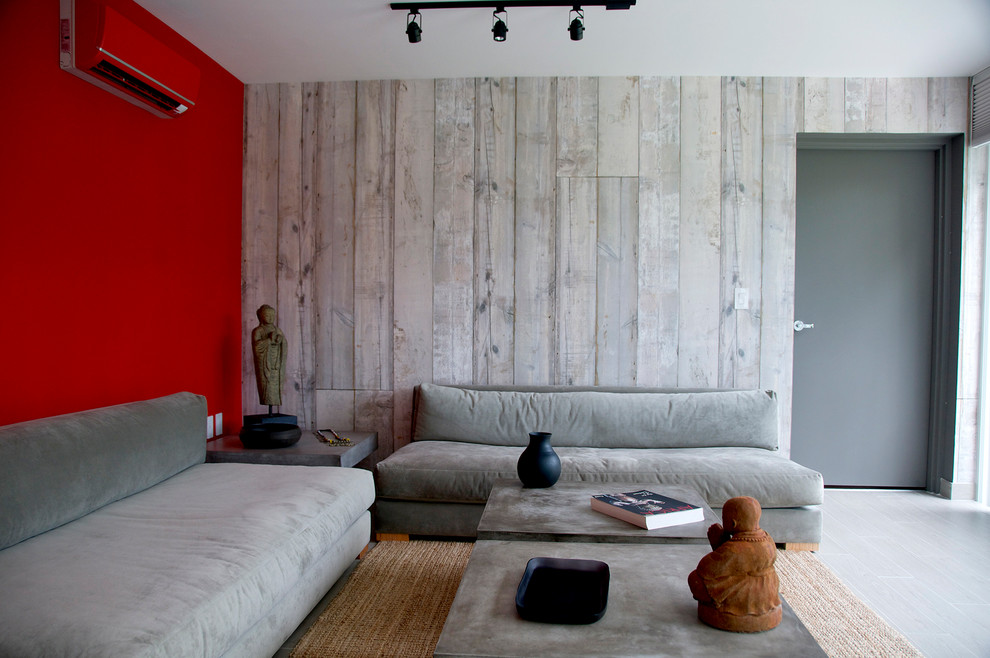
(799, 546)
(432, 519)
(798, 528)
(270, 633)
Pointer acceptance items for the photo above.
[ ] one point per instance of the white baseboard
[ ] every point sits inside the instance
(957, 490)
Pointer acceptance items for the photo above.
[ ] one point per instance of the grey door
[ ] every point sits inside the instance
(864, 278)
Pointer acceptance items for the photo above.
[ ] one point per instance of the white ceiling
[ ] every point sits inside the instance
(321, 40)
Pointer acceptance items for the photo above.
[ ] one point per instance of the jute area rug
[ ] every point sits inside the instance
(396, 600)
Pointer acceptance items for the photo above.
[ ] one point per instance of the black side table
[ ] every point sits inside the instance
(308, 451)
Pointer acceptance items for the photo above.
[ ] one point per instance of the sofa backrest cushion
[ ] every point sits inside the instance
(608, 418)
(55, 470)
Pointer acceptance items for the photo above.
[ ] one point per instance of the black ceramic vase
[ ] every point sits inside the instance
(539, 465)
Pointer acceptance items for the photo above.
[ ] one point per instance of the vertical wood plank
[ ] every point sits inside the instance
(373, 413)
(344, 204)
(334, 265)
(335, 409)
(494, 242)
(305, 289)
(577, 206)
(291, 238)
(577, 126)
(413, 239)
(948, 105)
(629, 304)
(536, 164)
(322, 178)
(617, 284)
(260, 222)
(618, 126)
(907, 105)
(453, 232)
(866, 105)
(876, 105)
(782, 119)
(700, 232)
(659, 231)
(374, 199)
(824, 105)
(855, 105)
(742, 230)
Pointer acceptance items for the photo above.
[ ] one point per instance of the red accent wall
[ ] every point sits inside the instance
(120, 234)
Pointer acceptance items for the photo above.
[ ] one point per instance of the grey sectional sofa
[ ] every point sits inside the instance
(722, 443)
(116, 539)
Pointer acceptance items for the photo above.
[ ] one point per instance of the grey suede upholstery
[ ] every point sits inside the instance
(55, 470)
(599, 419)
(452, 471)
(721, 443)
(182, 558)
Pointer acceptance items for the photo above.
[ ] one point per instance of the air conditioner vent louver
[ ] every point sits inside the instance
(118, 76)
(980, 128)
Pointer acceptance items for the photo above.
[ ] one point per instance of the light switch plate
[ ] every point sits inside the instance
(742, 299)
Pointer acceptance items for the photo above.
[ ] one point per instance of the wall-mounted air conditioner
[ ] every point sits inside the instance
(103, 47)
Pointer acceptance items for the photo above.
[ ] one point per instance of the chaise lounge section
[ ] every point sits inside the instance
(116, 539)
(723, 443)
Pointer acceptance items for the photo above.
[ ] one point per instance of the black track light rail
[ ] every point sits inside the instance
(474, 4)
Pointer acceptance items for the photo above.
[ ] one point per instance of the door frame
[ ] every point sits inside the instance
(949, 150)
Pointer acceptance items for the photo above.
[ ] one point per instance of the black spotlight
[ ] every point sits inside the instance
(414, 30)
(576, 27)
(499, 28)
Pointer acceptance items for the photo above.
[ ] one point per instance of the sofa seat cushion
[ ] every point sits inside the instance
(449, 471)
(181, 569)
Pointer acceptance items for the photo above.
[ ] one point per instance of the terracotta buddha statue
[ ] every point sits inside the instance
(736, 585)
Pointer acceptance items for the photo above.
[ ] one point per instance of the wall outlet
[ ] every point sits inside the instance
(209, 427)
(218, 424)
(742, 299)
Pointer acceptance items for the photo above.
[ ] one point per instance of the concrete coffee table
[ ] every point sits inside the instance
(650, 609)
(563, 513)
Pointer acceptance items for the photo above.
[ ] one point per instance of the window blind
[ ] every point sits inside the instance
(980, 128)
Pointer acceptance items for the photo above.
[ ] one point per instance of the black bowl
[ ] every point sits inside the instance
(270, 435)
(563, 591)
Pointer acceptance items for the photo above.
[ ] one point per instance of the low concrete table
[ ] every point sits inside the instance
(563, 513)
(650, 609)
(308, 451)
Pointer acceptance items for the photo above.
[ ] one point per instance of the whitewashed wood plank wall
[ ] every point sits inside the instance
(549, 231)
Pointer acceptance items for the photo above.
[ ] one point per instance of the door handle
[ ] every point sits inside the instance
(801, 326)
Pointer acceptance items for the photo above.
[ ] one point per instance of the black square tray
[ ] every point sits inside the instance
(563, 591)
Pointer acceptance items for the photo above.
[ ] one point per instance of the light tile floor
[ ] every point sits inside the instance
(922, 562)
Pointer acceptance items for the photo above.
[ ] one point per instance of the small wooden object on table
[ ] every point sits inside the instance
(309, 451)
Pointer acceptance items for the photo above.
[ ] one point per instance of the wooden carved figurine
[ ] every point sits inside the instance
(268, 343)
(736, 585)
